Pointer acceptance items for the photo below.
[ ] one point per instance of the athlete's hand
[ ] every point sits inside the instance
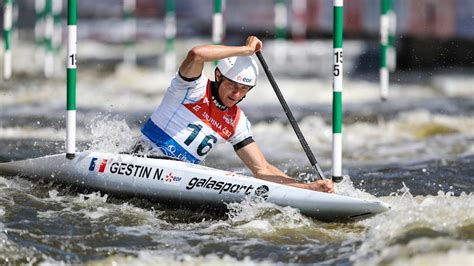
(325, 185)
(254, 43)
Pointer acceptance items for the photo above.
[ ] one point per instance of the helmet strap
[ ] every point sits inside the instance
(215, 92)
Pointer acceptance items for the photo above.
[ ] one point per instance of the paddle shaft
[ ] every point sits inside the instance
(290, 116)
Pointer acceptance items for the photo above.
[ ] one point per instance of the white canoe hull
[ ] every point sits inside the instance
(169, 181)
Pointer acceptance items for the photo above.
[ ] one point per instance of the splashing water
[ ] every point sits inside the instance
(418, 229)
(249, 212)
(110, 134)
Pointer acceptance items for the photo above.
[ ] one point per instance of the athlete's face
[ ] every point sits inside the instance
(231, 92)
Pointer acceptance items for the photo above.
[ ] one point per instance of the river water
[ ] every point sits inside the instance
(415, 152)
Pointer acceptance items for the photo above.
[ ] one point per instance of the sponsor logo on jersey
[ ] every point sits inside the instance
(228, 119)
(220, 186)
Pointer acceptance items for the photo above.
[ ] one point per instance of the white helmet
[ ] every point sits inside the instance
(241, 69)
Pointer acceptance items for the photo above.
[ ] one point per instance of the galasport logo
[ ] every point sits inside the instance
(135, 170)
(220, 186)
(262, 192)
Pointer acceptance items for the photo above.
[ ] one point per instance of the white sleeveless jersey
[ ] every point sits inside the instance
(187, 123)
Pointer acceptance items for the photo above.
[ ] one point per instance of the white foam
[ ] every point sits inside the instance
(93, 206)
(455, 85)
(462, 255)
(262, 216)
(111, 134)
(154, 257)
(385, 233)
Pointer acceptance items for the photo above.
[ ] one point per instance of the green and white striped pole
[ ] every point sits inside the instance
(16, 15)
(129, 31)
(7, 36)
(281, 24)
(384, 25)
(217, 24)
(170, 35)
(338, 12)
(57, 32)
(48, 39)
(392, 41)
(39, 29)
(71, 78)
(39, 22)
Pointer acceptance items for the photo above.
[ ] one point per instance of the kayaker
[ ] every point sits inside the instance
(197, 113)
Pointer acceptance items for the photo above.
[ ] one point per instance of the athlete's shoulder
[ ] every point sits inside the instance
(191, 91)
(181, 82)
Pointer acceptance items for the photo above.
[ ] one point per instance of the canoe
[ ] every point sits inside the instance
(180, 183)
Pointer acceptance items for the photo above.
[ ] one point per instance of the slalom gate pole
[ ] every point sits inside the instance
(7, 36)
(217, 24)
(57, 33)
(392, 40)
(281, 23)
(290, 116)
(39, 20)
(129, 31)
(48, 39)
(384, 24)
(71, 78)
(15, 17)
(338, 23)
(170, 35)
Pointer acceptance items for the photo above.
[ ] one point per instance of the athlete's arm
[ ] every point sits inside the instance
(193, 64)
(253, 157)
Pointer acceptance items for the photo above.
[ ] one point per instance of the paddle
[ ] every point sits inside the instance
(290, 116)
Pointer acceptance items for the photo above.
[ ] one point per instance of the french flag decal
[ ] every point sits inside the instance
(102, 165)
(92, 165)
